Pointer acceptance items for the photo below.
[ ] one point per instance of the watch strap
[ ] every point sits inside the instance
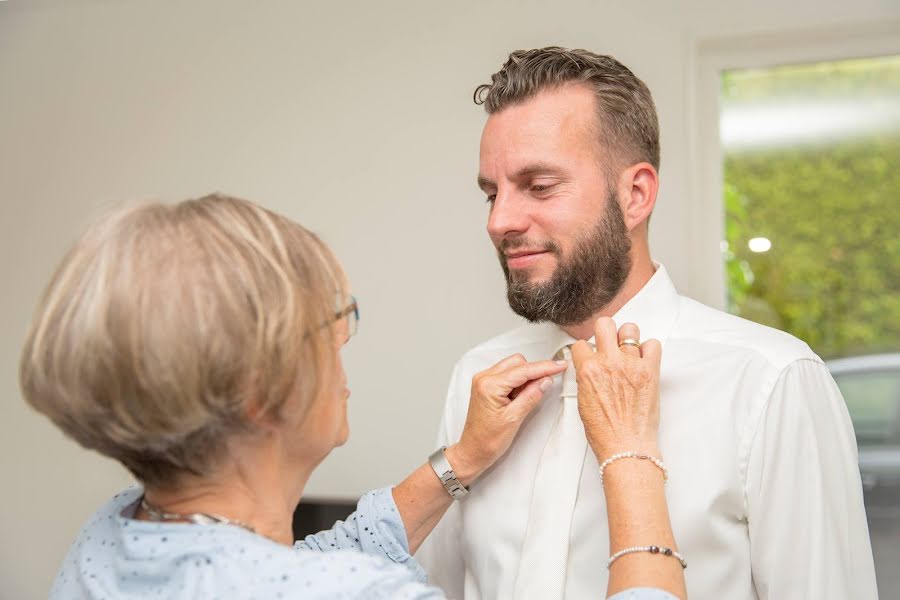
(445, 473)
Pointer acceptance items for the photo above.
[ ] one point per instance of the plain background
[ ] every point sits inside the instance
(354, 119)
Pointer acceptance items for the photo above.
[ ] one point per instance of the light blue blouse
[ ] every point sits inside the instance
(366, 556)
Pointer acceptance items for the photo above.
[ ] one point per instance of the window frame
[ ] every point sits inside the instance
(710, 57)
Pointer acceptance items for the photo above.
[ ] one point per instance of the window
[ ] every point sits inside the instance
(812, 201)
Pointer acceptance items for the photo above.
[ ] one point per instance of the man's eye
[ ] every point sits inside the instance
(490, 199)
(538, 189)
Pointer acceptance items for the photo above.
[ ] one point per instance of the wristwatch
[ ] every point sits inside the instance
(445, 473)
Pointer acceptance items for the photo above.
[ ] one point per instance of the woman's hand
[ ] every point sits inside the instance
(618, 399)
(502, 396)
(618, 390)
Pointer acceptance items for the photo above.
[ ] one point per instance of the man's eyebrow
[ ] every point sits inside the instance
(484, 183)
(525, 172)
(540, 168)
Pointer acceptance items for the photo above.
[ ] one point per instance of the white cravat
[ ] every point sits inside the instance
(545, 553)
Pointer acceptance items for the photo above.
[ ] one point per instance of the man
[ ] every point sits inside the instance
(764, 490)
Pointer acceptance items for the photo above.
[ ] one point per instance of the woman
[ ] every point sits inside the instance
(199, 345)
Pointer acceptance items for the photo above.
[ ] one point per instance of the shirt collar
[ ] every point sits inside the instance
(654, 309)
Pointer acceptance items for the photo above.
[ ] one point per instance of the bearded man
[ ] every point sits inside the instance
(763, 486)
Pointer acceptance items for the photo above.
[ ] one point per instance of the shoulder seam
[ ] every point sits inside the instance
(810, 355)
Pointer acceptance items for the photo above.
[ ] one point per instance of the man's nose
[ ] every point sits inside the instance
(508, 217)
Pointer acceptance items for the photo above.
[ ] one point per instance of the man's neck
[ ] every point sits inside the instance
(641, 271)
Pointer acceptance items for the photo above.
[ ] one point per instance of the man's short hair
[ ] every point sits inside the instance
(166, 327)
(629, 127)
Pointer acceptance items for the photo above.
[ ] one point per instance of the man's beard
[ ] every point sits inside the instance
(581, 285)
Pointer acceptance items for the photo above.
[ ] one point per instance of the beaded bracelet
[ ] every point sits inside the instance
(652, 550)
(622, 455)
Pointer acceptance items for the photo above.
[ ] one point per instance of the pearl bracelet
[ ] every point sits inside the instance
(652, 550)
(622, 455)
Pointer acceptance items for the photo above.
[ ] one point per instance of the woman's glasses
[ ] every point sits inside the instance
(351, 313)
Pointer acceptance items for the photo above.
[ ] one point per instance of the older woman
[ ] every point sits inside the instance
(199, 345)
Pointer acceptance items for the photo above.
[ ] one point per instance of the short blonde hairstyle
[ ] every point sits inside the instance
(166, 326)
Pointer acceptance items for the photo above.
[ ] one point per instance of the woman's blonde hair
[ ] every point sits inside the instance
(168, 328)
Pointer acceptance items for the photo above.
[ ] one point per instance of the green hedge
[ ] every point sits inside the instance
(832, 212)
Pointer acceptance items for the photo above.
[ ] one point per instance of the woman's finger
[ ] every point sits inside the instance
(581, 351)
(605, 336)
(506, 363)
(520, 375)
(629, 335)
(651, 350)
(529, 397)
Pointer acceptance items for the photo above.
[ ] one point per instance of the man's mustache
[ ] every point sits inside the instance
(508, 245)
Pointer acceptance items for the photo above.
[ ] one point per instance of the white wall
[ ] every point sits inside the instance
(354, 119)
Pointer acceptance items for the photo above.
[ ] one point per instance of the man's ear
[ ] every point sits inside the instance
(638, 185)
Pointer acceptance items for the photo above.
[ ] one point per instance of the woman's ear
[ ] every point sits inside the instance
(255, 410)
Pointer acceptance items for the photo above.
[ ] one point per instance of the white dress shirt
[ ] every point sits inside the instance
(764, 490)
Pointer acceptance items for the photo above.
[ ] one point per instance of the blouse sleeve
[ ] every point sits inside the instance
(375, 528)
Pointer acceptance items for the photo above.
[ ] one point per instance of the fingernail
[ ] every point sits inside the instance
(562, 362)
(546, 383)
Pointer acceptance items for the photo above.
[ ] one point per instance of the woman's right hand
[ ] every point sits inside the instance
(502, 396)
(618, 390)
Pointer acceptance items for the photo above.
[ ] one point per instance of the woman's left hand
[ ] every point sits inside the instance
(502, 396)
(618, 390)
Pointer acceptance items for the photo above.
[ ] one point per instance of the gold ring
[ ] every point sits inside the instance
(630, 342)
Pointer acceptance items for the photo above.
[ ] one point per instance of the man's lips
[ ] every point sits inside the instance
(519, 259)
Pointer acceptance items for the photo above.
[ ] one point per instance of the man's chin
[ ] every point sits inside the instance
(527, 278)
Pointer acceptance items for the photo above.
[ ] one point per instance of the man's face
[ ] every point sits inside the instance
(555, 219)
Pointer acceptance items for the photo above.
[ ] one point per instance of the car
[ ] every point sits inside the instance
(871, 388)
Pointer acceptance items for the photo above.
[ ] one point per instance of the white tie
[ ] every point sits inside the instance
(545, 553)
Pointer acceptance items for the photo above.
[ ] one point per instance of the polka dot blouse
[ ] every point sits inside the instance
(366, 556)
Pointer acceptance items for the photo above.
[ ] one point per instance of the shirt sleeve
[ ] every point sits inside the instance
(441, 554)
(376, 528)
(807, 522)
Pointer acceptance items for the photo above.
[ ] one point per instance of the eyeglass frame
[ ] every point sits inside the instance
(352, 324)
(350, 309)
